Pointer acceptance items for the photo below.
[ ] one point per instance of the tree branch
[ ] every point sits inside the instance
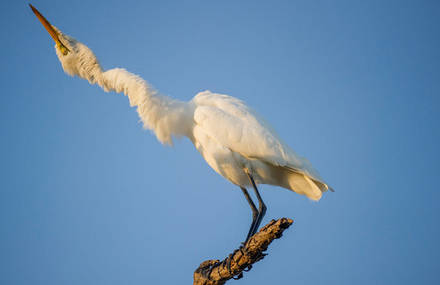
(215, 272)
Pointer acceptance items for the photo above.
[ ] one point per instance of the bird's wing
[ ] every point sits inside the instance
(239, 128)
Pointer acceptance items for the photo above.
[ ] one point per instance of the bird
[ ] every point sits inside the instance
(233, 139)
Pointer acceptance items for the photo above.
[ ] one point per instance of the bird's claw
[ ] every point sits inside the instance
(247, 269)
(239, 276)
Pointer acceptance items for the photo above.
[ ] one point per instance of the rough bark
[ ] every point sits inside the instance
(215, 272)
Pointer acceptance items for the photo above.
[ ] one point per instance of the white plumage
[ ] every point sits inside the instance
(233, 139)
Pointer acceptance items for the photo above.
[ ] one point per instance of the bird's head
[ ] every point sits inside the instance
(75, 57)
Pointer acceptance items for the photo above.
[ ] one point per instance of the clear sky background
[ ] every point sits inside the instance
(89, 197)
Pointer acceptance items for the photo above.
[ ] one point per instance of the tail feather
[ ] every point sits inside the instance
(297, 181)
(303, 184)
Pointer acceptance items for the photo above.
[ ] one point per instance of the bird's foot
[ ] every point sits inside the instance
(247, 269)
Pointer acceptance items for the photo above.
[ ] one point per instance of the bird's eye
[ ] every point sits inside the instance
(64, 50)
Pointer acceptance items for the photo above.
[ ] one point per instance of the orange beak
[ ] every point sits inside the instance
(51, 30)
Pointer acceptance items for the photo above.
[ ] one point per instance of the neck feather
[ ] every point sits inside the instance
(167, 117)
(163, 115)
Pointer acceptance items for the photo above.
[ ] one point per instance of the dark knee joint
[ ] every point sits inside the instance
(262, 208)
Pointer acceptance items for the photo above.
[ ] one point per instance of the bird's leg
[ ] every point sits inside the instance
(254, 212)
(261, 206)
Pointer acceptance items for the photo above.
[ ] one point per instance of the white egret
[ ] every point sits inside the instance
(235, 141)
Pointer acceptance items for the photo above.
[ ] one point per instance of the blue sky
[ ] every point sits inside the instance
(89, 197)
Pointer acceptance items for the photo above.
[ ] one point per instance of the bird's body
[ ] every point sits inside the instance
(233, 139)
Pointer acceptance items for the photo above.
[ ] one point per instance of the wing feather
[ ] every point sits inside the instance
(241, 129)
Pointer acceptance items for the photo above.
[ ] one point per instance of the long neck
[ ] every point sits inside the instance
(166, 117)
